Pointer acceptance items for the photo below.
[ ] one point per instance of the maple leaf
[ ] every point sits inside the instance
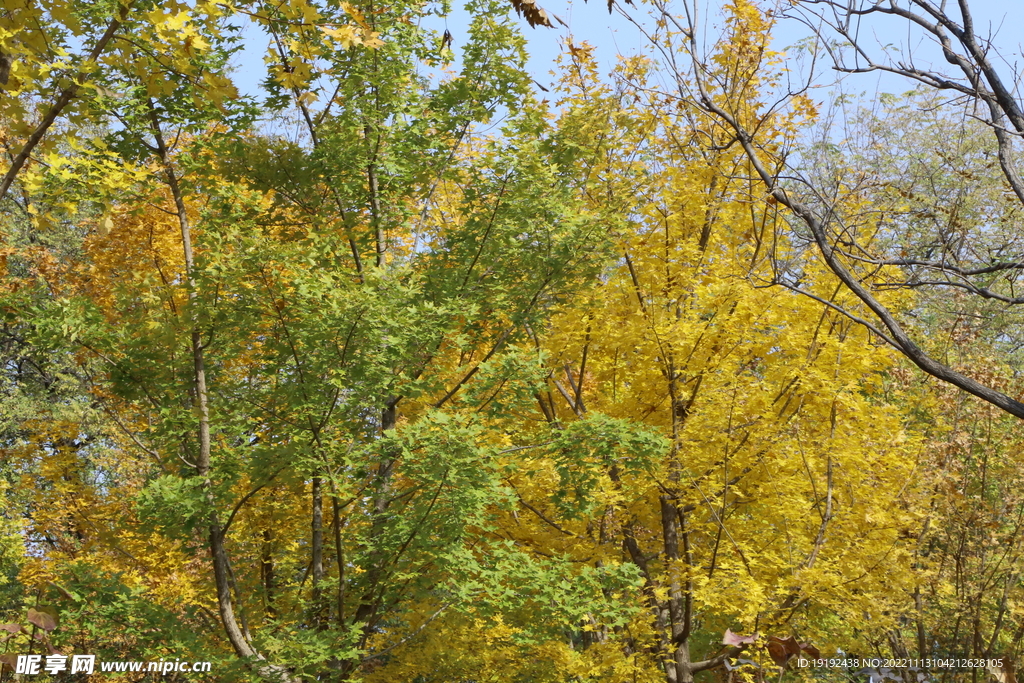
(347, 36)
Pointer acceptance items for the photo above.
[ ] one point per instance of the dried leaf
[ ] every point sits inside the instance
(534, 15)
(781, 649)
(8, 662)
(810, 650)
(731, 638)
(43, 617)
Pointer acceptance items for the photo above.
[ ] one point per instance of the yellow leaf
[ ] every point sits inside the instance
(346, 36)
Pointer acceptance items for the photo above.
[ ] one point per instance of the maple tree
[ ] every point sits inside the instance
(751, 401)
(251, 321)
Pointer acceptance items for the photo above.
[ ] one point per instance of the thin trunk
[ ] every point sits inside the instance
(334, 663)
(678, 637)
(371, 179)
(267, 573)
(678, 628)
(684, 668)
(200, 399)
(318, 548)
(922, 640)
(243, 622)
(369, 603)
(340, 556)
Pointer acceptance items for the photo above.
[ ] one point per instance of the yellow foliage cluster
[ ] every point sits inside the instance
(789, 480)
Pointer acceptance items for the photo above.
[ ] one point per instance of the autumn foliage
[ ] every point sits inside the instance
(446, 382)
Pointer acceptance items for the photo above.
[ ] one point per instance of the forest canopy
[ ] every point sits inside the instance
(407, 369)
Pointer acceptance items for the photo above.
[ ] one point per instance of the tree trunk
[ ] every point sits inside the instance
(200, 400)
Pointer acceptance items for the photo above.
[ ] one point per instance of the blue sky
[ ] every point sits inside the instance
(613, 35)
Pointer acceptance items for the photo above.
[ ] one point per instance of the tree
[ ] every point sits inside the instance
(733, 431)
(968, 556)
(912, 205)
(963, 603)
(327, 329)
(860, 244)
